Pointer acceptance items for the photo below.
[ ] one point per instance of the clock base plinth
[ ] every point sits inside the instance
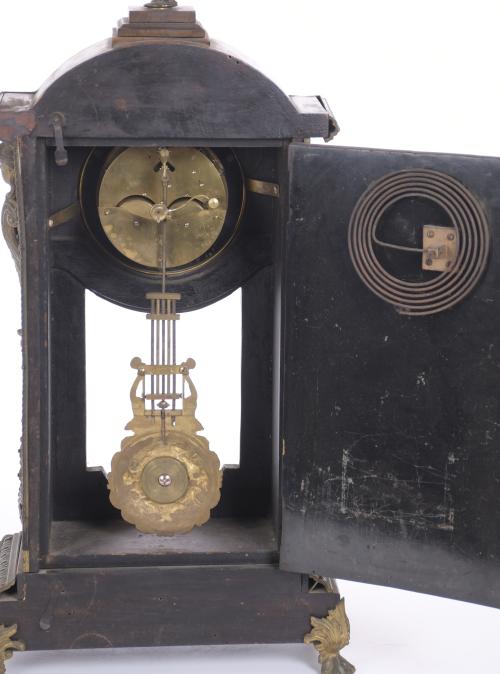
(212, 605)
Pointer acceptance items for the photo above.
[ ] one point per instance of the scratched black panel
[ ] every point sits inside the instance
(391, 424)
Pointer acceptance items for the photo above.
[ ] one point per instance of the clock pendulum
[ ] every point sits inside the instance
(165, 480)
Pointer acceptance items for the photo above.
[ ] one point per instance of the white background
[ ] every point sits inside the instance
(422, 76)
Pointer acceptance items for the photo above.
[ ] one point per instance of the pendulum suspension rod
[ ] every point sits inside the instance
(163, 316)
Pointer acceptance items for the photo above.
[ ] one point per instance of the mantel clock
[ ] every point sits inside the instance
(162, 173)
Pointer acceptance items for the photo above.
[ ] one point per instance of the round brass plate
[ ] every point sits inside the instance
(165, 480)
(197, 196)
(184, 464)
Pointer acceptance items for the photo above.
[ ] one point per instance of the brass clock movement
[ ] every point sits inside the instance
(122, 199)
(370, 352)
(131, 205)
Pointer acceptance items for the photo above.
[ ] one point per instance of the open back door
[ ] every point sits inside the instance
(391, 370)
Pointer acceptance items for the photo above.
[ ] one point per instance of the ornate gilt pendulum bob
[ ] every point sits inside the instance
(165, 480)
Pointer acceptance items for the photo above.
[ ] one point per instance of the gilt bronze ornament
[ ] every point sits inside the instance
(10, 212)
(329, 636)
(7, 645)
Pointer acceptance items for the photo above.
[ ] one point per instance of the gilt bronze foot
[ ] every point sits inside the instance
(7, 646)
(330, 635)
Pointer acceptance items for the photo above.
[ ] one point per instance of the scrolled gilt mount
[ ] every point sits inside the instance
(7, 645)
(10, 211)
(329, 636)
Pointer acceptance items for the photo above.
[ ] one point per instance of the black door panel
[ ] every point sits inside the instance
(390, 421)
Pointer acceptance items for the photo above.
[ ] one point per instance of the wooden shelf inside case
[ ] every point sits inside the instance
(78, 544)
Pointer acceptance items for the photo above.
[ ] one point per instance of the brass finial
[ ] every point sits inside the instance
(161, 4)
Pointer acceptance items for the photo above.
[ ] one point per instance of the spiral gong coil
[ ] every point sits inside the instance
(469, 221)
